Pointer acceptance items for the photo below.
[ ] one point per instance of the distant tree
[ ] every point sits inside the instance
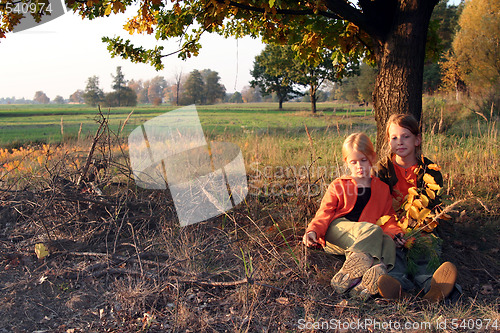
(236, 98)
(250, 94)
(194, 88)
(347, 90)
(59, 100)
(93, 95)
(119, 87)
(271, 73)
(314, 74)
(41, 98)
(142, 96)
(118, 80)
(157, 89)
(77, 97)
(453, 77)
(477, 43)
(442, 29)
(178, 79)
(214, 90)
(365, 82)
(140, 89)
(126, 97)
(358, 88)
(122, 94)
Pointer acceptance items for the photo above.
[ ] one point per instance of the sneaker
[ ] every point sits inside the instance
(442, 283)
(355, 265)
(390, 288)
(369, 283)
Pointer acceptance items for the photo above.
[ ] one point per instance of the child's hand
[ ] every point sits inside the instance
(400, 240)
(310, 239)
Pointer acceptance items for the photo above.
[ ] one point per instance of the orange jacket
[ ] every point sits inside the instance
(340, 199)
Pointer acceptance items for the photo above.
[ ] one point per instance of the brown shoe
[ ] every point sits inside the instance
(369, 283)
(390, 288)
(355, 265)
(442, 283)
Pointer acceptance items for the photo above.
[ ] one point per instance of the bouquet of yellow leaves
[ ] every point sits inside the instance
(418, 216)
(422, 207)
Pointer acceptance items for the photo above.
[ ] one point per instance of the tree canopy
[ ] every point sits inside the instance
(477, 44)
(273, 72)
(93, 94)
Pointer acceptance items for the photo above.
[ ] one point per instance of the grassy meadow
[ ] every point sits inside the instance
(120, 262)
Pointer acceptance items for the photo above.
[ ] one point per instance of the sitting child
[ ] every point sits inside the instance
(345, 223)
(404, 169)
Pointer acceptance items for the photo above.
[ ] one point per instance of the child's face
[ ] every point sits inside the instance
(359, 165)
(402, 141)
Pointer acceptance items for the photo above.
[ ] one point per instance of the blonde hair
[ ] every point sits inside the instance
(359, 142)
(407, 121)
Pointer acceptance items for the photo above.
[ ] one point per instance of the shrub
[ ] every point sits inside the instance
(440, 114)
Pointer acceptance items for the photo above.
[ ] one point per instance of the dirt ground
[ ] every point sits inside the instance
(122, 266)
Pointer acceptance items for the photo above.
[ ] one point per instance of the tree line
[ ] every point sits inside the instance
(199, 87)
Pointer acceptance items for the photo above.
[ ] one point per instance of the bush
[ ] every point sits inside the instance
(487, 104)
(440, 114)
(126, 97)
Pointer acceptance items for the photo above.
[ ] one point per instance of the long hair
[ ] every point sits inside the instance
(409, 122)
(359, 142)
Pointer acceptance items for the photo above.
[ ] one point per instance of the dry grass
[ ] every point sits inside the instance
(120, 247)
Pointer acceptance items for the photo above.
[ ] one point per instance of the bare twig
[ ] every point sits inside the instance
(92, 149)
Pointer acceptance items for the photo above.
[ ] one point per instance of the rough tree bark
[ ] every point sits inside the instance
(398, 29)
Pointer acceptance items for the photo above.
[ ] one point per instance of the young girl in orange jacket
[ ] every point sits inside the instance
(345, 223)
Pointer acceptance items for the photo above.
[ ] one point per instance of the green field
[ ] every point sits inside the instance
(25, 124)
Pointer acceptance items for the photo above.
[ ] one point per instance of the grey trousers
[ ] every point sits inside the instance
(420, 282)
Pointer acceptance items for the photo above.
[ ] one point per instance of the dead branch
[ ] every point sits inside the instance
(92, 149)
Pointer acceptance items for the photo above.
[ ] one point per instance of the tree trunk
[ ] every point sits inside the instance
(400, 54)
(312, 95)
(280, 103)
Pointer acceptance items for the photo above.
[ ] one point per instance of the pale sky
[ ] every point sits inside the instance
(59, 56)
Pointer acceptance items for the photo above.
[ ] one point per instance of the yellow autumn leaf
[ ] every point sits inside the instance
(434, 187)
(413, 190)
(428, 179)
(424, 200)
(41, 250)
(430, 193)
(423, 213)
(413, 212)
(403, 225)
(410, 198)
(418, 203)
(429, 227)
(107, 12)
(383, 220)
(434, 167)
